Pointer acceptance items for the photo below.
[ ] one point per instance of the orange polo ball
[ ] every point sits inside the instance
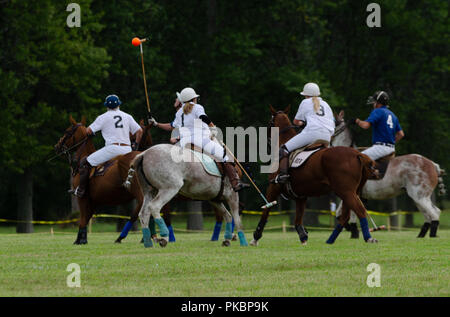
(136, 41)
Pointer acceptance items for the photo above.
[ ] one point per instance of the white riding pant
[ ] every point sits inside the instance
(106, 153)
(377, 151)
(209, 146)
(307, 137)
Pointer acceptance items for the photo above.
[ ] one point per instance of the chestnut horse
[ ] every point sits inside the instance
(342, 170)
(106, 190)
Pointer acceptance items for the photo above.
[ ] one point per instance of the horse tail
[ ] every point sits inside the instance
(368, 167)
(441, 185)
(137, 166)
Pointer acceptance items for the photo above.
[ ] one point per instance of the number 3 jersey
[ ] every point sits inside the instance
(385, 125)
(116, 126)
(322, 120)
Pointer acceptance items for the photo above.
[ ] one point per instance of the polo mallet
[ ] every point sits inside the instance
(375, 227)
(267, 205)
(138, 42)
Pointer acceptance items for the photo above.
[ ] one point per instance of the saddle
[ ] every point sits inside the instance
(381, 164)
(101, 169)
(301, 155)
(210, 165)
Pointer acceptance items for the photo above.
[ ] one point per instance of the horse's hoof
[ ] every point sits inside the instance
(118, 240)
(304, 242)
(80, 242)
(372, 240)
(163, 243)
(234, 238)
(254, 243)
(226, 243)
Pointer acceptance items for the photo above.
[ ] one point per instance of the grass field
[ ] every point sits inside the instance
(35, 265)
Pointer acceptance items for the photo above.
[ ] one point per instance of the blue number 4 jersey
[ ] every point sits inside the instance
(385, 125)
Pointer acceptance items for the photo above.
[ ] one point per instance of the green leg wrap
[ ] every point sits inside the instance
(163, 231)
(147, 238)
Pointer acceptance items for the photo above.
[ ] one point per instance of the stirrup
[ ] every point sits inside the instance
(281, 179)
(78, 194)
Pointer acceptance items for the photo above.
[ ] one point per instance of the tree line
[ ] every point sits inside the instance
(240, 56)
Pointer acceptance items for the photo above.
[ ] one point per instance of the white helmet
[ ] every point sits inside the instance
(187, 94)
(311, 89)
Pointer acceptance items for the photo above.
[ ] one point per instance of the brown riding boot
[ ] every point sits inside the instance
(230, 172)
(84, 170)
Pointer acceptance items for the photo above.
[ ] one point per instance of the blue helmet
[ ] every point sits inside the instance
(112, 101)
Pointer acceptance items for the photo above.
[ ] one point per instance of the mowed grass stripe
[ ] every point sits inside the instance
(35, 265)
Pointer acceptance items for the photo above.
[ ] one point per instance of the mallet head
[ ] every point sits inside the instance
(269, 205)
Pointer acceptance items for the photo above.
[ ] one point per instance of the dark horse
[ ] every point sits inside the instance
(342, 170)
(106, 190)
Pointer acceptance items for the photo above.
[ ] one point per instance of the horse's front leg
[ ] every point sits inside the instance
(272, 194)
(86, 212)
(299, 213)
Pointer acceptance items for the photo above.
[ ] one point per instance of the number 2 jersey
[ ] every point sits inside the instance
(322, 120)
(116, 126)
(385, 125)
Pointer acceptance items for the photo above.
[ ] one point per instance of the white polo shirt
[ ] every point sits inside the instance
(116, 126)
(323, 119)
(190, 124)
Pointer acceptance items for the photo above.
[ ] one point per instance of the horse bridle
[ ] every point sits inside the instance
(272, 125)
(67, 150)
(339, 131)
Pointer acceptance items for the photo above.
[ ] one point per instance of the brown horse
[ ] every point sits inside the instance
(339, 169)
(106, 190)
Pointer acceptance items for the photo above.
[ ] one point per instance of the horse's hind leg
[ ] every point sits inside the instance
(228, 220)
(144, 218)
(353, 202)
(129, 224)
(163, 197)
(233, 202)
(343, 218)
(431, 213)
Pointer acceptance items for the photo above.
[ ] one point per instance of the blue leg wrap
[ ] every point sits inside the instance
(232, 225)
(147, 238)
(228, 233)
(125, 229)
(171, 234)
(365, 228)
(242, 239)
(337, 230)
(151, 226)
(163, 231)
(216, 232)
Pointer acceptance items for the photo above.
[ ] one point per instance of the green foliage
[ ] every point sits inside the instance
(239, 56)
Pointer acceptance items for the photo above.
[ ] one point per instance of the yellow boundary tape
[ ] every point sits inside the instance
(248, 212)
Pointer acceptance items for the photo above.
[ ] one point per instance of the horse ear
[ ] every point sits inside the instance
(83, 120)
(287, 109)
(72, 120)
(272, 109)
(341, 115)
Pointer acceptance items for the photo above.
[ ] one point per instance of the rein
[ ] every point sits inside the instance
(67, 150)
(283, 130)
(339, 131)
